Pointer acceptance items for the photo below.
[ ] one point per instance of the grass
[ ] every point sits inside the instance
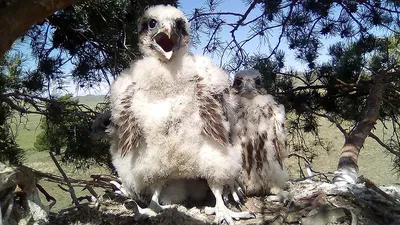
(374, 163)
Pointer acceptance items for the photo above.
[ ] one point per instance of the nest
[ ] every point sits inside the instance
(306, 202)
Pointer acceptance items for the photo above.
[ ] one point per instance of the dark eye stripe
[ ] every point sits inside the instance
(258, 81)
(180, 26)
(144, 26)
(237, 82)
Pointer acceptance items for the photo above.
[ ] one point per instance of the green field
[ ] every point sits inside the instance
(374, 163)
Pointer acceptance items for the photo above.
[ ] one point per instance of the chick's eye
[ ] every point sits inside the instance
(152, 23)
(258, 82)
(237, 82)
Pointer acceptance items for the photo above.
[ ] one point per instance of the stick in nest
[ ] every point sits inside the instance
(47, 195)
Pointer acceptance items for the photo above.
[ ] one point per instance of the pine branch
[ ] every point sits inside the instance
(361, 27)
(102, 181)
(283, 28)
(199, 15)
(316, 173)
(244, 16)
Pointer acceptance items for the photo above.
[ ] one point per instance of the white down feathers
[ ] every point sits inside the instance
(164, 102)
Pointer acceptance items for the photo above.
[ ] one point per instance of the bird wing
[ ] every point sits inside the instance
(274, 114)
(267, 136)
(213, 98)
(127, 129)
(280, 140)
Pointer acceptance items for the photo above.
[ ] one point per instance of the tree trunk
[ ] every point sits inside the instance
(18, 17)
(347, 166)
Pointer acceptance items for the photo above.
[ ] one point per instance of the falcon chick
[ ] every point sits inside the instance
(101, 125)
(257, 130)
(169, 111)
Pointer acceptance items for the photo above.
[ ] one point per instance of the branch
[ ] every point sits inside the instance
(315, 175)
(314, 87)
(319, 174)
(21, 95)
(361, 27)
(244, 16)
(283, 28)
(292, 76)
(18, 108)
(71, 189)
(91, 191)
(353, 143)
(380, 142)
(212, 37)
(47, 195)
(332, 120)
(102, 181)
(380, 7)
(299, 156)
(198, 15)
(63, 188)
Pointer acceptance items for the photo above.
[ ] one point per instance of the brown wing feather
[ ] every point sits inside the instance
(279, 148)
(279, 145)
(212, 113)
(253, 152)
(128, 130)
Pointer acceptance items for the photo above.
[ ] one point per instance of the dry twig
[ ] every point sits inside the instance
(47, 195)
(71, 188)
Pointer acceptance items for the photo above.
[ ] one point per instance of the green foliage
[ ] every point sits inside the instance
(51, 137)
(10, 152)
(10, 76)
(338, 90)
(66, 131)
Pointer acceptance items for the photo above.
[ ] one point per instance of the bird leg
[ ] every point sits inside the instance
(154, 207)
(154, 203)
(222, 213)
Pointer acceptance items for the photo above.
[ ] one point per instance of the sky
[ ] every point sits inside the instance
(254, 46)
(188, 6)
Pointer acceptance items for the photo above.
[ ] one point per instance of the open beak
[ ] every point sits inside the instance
(167, 40)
